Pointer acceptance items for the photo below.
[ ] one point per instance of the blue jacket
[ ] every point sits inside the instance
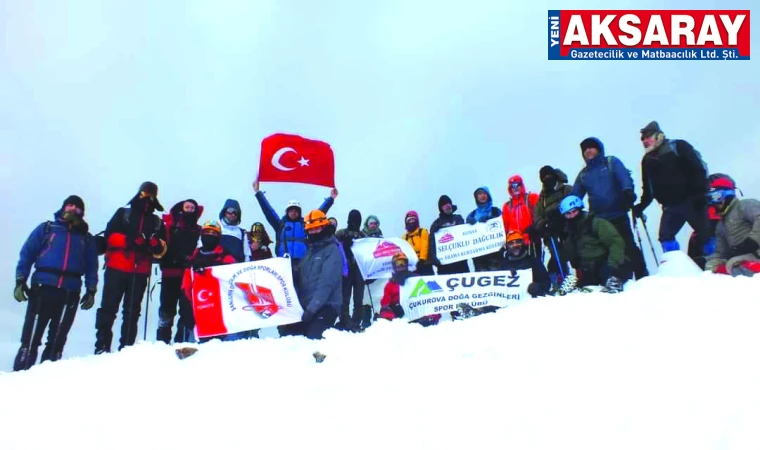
(484, 212)
(60, 257)
(604, 179)
(291, 236)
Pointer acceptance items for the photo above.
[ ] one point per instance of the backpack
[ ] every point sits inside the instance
(608, 164)
(49, 225)
(674, 147)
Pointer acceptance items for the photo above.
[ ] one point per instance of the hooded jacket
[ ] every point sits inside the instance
(518, 210)
(419, 239)
(444, 221)
(234, 238)
(290, 234)
(181, 236)
(484, 212)
(547, 206)
(126, 225)
(604, 179)
(348, 235)
(377, 233)
(61, 254)
(740, 221)
(592, 239)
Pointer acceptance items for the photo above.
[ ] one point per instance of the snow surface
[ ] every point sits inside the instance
(671, 363)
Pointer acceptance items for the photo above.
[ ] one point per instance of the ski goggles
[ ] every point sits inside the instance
(145, 194)
(515, 185)
(232, 212)
(715, 196)
(400, 264)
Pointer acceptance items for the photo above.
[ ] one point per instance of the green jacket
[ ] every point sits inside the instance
(547, 207)
(593, 239)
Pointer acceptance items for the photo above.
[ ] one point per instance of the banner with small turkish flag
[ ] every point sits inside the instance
(289, 158)
(245, 296)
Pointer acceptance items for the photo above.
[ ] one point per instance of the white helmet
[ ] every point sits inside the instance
(293, 204)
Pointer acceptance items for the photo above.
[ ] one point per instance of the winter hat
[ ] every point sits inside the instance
(412, 215)
(546, 171)
(152, 189)
(354, 219)
(651, 128)
(74, 200)
(443, 200)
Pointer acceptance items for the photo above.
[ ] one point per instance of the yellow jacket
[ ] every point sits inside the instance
(419, 239)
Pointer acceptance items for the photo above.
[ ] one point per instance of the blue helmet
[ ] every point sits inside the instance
(570, 203)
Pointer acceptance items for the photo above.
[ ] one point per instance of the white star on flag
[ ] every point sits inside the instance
(303, 161)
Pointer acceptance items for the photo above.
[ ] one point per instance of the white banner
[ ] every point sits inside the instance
(244, 296)
(373, 256)
(423, 296)
(462, 242)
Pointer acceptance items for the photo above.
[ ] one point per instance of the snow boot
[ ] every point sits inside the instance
(613, 285)
(25, 358)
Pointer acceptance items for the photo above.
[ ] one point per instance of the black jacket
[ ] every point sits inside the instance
(672, 178)
(525, 262)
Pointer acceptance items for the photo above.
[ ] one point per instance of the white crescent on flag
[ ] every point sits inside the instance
(276, 159)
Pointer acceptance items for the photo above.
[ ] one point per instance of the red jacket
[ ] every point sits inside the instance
(124, 258)
(391, 298)
(217, 257)
(121, 252)
(517, 212)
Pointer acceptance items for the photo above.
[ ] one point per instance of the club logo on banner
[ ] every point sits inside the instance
(374, 255)
(423, 296)
(649, 34)
(244, 296)
(462, 242)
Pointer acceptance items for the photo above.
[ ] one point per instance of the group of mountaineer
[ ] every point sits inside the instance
(597, 243)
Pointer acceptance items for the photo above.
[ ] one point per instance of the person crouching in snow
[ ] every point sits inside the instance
(259, 240)
(738, 232)
(594, 248)
(517, 258)
(320, 280)
(390, 304)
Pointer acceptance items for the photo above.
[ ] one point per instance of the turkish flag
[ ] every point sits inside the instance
(290, 158)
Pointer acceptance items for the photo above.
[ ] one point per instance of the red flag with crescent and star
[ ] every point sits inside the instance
(289, 158)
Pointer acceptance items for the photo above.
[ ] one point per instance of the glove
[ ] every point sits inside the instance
(628, 199)
(699, 202)
(638, 211)
(139, 241)
(484, 219)
(398, 310)
(155, 244)
(307, 316)
(88, 299)
(746, 246)
(21, 290)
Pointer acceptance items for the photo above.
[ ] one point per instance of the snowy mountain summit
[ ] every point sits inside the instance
(670, 363)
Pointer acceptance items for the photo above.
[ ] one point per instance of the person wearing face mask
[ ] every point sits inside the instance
(182, 234)
(260, 240)
(353, 283)
(62, 251)
(234, 237)
(320, 280)
(517, 258)
(483, 212)
(446, 218)
(594, 248)
(548, 222)
(135, 237)
(674, 174)
(419, 239)
(737, 232)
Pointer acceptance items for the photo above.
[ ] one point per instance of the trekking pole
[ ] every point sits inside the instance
(149, 292)
(649, 238)
(638, 233)
(556, 256)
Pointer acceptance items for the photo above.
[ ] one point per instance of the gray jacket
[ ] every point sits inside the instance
(742, 221)
(320, 278)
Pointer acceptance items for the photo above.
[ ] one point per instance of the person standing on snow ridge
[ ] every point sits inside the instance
(289, 229)
(419, 239)
(446, 218)
(182, 234)
(517, 213)
(62, 251)
(548, 222)
(390, 304)
(738, 232)
(484, 212)
(353, 283)
(372, 227)
(610, 196)
(234, 238)
(260, 240)
(320, 281)
(594, 248)
(211, 253)
(517, 257)
(673, 173)
(134, 238)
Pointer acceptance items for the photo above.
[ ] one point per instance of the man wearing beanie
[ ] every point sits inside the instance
(62, 251)
(547, 220)
(446, 218)
(354, 281)
(610, 196)
(134, 238)
(673, 173)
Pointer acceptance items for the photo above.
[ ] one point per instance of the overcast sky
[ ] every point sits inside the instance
(417, 98)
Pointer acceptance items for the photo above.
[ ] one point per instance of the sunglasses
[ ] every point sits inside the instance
(515, 185)
(231, 212)
(144, 194)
